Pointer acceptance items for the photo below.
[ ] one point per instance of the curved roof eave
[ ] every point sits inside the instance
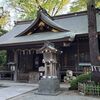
(45, 18)
(38, 37)
(52, 23)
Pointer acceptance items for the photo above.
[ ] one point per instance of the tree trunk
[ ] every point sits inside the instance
(93, 36)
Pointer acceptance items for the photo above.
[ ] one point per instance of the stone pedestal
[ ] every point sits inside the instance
(49, 86)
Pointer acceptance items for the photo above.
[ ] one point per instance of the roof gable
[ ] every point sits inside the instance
(43, 23)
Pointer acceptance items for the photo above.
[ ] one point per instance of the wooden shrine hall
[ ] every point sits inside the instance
(68, 33)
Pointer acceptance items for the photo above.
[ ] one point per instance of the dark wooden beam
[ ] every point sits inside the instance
(16, 67)
(10, 55)
(93, 36)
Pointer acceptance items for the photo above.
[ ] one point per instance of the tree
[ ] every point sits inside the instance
(93, 36)
(81, 5)
(28, 8)
(2, 31)
(4, 15)
(2, 57)
(3, 21)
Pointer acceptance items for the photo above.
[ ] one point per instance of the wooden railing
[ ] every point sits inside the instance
(23, 77)
(89, 89)
(72, 68)
(6, 75)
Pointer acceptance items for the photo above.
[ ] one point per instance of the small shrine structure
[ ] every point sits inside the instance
(49, 83)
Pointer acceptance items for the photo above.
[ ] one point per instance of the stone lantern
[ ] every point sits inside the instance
(49, 84)
(12, 67)
(49, 60)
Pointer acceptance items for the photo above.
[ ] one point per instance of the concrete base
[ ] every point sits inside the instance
(49, 86)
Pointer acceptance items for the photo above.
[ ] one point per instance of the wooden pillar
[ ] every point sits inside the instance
(78, 52)
(65, 58)
(93, 36)
(16, 65)
(10, 55)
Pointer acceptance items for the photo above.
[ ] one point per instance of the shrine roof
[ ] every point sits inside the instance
(77, 23)
(37, 38)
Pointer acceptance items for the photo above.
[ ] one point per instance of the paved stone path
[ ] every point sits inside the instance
(24, 91)
(14, 89)
(63, 96)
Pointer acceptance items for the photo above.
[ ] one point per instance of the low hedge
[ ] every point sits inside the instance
(81, 78)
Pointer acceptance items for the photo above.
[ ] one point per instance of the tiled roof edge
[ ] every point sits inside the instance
(73, 14)
(59, 16)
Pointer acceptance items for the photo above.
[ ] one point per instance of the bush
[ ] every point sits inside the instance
(2, 57)
(81, 78)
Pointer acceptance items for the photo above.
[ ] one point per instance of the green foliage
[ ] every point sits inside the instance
(3, 20)
(81, 5)
(2, 57)
(28, 8)
(2, 31)
(4, 17)
(92, 89)
(81, 78)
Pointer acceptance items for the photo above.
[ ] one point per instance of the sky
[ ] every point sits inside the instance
(13, 14)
